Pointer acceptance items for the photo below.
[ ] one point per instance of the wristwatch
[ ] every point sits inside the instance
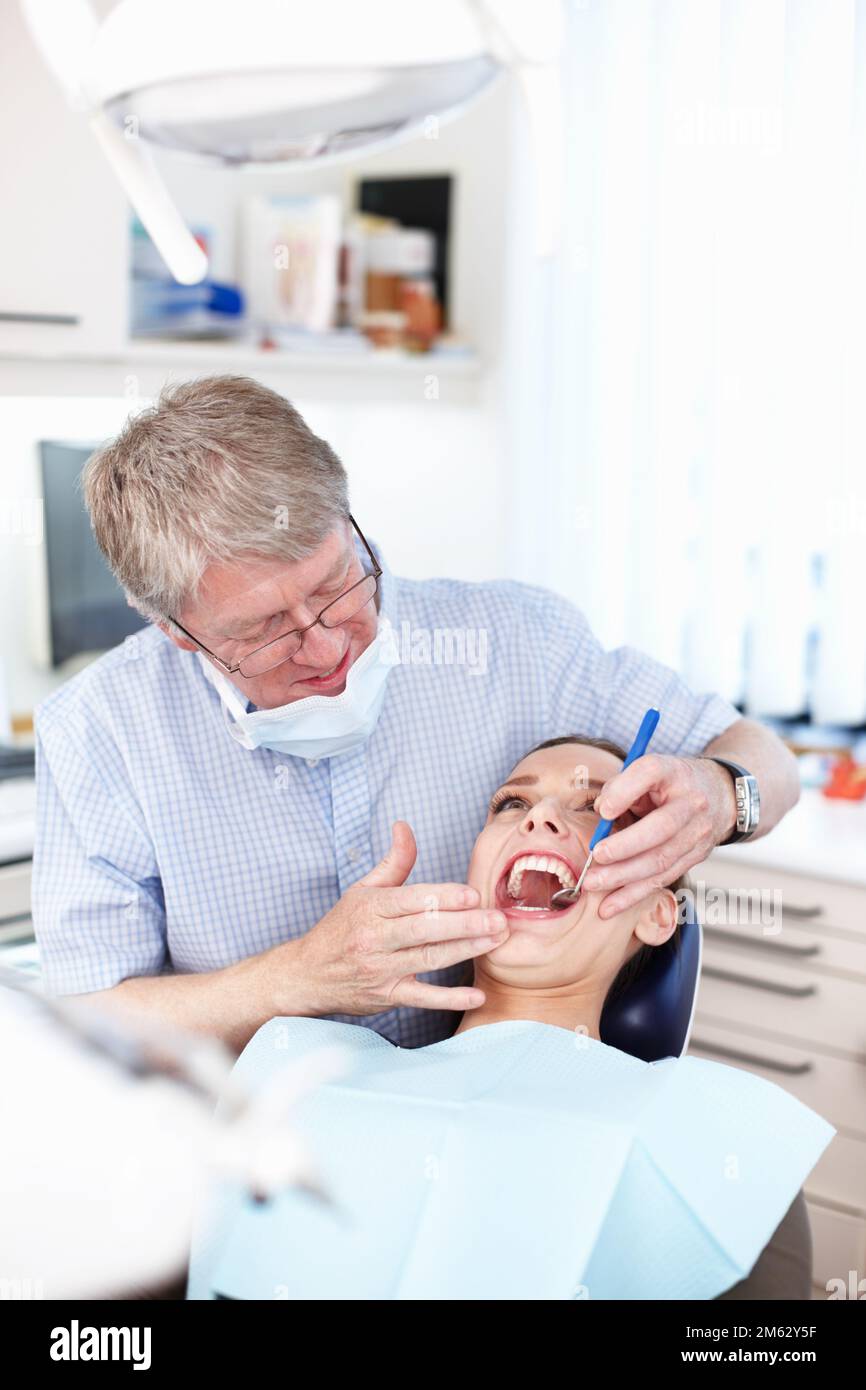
(748, 801)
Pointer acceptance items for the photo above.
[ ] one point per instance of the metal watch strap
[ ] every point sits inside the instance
(748, 800)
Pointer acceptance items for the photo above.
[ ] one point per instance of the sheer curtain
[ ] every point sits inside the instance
(687, 379)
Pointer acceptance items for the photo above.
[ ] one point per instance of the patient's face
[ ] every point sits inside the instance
(535, 841)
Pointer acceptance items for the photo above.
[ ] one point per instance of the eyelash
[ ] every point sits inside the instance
(499, 800)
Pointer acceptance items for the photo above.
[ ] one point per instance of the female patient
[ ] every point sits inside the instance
(561, 967)
(412, 1142)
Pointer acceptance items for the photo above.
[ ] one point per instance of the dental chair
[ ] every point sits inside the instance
(652, 1019)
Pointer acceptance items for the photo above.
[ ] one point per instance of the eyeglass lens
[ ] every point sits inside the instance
(283, 648)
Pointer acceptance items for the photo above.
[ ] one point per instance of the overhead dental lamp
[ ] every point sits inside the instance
(261, 81)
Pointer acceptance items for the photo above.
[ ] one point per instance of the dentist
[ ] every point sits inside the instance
(225, 799)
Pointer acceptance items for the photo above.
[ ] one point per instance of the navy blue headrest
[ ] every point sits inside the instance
(652, 1018)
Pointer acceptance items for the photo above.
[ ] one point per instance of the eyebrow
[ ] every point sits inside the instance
(527, 781)
(340, 564)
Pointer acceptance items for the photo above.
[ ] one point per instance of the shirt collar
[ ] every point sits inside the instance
(387, 588)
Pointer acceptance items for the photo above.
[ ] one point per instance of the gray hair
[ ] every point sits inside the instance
(218, 468)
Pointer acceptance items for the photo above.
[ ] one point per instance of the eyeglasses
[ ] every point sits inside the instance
(281, 649)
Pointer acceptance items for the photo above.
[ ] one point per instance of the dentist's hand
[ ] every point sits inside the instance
(684, 807)
(362, 957)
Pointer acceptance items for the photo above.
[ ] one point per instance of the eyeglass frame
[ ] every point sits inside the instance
(230, 670)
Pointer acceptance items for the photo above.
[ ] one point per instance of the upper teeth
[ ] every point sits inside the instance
(542, 864)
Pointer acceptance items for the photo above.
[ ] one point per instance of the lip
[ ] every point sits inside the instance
(336, 677)
(541, 914)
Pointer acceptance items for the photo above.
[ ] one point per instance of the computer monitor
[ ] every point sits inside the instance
(87, 611)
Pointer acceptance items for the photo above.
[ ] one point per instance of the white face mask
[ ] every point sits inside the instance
(319, 726)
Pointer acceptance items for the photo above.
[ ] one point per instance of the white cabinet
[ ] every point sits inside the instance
(785, 997)
(18, 949)
(64, 225)
(15, 900)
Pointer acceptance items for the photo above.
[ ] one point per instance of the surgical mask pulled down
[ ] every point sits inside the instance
(319, 726)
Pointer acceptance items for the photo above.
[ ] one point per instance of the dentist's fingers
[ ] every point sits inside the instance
(396, 863)
(633, 893)
(434, 924)
(424, 897)
(650, 773)
(418, 960)
(652, 831)
(676, 825)
(657, 863)
(418, 994)
(659, 779)
(354, 958)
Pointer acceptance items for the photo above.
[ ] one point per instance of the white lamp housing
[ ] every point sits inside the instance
(251, 81)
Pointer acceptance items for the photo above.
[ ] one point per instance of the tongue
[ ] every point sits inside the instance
(536, 888)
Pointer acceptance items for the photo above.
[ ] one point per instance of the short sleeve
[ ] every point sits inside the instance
(98, 911)
(605, 694)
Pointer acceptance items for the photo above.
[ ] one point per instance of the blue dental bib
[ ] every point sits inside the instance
(514, 1160)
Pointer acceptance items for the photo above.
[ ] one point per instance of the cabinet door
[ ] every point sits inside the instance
(64, 225)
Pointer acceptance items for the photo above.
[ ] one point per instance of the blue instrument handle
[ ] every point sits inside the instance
(638, 748)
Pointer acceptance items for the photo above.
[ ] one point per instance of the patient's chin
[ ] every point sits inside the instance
(520, 951)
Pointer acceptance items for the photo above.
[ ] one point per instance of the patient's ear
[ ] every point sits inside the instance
(657, 917)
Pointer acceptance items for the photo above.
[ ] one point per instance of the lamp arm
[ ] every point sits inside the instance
(63, 32)
(143, 185)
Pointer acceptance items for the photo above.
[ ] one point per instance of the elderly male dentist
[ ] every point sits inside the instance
(227, 800)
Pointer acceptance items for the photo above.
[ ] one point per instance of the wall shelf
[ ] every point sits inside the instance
(141, 368)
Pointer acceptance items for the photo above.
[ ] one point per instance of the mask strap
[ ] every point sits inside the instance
(230, 703)
(234, 729)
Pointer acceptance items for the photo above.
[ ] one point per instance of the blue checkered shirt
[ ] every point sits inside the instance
(164, 846)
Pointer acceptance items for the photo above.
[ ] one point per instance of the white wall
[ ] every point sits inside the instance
(424, 484)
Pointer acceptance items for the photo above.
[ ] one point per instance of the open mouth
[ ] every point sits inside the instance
(529, 881)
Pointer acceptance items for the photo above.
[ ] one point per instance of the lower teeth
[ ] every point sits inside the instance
(524, 907)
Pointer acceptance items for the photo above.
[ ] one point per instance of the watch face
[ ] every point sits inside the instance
(747, 798)
(748, 804)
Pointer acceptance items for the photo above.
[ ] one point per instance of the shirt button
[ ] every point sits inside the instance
(353, 854)
(312, 762)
